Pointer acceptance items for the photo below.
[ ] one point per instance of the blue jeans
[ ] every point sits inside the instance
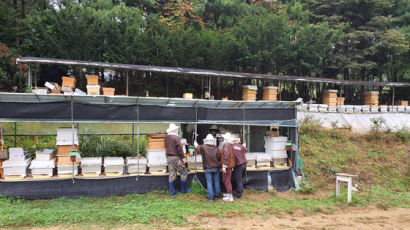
(213, 184)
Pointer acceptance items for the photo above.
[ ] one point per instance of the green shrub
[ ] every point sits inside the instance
(104, 146)
(404, 134)
(306, 187)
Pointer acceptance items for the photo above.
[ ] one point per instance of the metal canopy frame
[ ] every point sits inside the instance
(201, 72)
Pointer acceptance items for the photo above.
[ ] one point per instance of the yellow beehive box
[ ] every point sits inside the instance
(371, 98)
(156, 142)
(402, 103)
(92, 79)
(270, 93)
(108, 91)
(64, 160)
(64, 150)
(249, 92)
(93, 89)
(340, 101)
(69, 82)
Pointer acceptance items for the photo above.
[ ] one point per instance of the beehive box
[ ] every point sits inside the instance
(65, 136)
(64, 150)
(157, 168)
(17, 154)
(93, 89)
(365, 109)
(341, 108)
(383, 108)
(67, 169)
(322, 107)
(275, 143)
(69, 82)
(357, 108)
(371, 98)
(45, 155)
(340, 101)
(91, 165)
(16, 168)
(156, 157)
(270, 93)
(312, 107)
(92, 79)
(330, 97)
(136, 165)
(65, 160)
(249, 92)
(402, 103)
(108, 91)
(1, 168)
(39, 167)
(156, 142)
(114, 165)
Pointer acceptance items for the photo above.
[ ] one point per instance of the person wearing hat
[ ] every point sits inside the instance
(240, 165)
(211, 164)
(228, 163)
(176, 160)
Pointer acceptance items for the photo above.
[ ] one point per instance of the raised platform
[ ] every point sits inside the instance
(102, 186)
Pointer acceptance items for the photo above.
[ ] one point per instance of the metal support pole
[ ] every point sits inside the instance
(249, 138)
(132, 139)
(30, 84)
(392, 103)
(15, 134)
(209, 87)
(126, 89)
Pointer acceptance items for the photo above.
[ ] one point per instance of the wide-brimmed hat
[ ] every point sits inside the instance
(210, 140)
(236, 139)
(213, 127)
(227, 137)
(172, 127)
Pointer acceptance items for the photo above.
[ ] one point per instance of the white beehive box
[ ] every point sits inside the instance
(322, 107)
(156, 157)
(17, 154)
(302, 107)
(135, 165)
(67, 170)
(312, 107)
(16, 168)
(357, 108)
(365, 108)
(45, 155)
(65, 136)
(42, 167)
(349, 108)
(278, 154)
(341, 108)
(392, 109)
(332, 109)
(400, 108)
(280, 162)
(383, 108)
(91, 165)
(275, 143)
(158, 168)
(114, 165)
(263, 159)
(407, 109)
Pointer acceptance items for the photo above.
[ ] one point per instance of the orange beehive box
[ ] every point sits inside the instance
(64, 150)
(108, 91)
(155, 142)
(92, 80)
(69, 82)
(402, 103)
(371, 98)
(249, 92)
(270, 93)
(340, 101)
(64, 160)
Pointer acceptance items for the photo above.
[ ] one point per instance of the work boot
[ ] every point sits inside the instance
(172, 191)
(228, 198)
(238, 195)
(184, 188)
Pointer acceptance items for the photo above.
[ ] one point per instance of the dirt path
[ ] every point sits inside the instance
(353, 218)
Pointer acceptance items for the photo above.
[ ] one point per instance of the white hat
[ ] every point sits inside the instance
(210, 140)
(227, 137)
(172, 127)
(236, 139)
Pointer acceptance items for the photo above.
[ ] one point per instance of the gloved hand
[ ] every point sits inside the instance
(224, 167)
(195, 144)
(244, 144)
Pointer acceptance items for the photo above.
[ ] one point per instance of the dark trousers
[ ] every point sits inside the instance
(238, 177)
(226, 178)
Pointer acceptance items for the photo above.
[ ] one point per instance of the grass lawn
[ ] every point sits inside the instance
(157, 208)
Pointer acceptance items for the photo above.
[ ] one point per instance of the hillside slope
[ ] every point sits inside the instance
(377, 158)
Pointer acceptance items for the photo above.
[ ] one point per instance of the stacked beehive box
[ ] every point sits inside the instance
(135, 165)
(93, 88)
(64, 147)
(68, 85)
(113, 165)
(91, 165)
(251, 158)
(17, 164)
(108, 91)
(156, 156)
(249, 92)
(44, 163)
(275, 146)
(371, 98)
(402, 103)
(330, 98)
(263, 159)
(270, 93)
(340, 101)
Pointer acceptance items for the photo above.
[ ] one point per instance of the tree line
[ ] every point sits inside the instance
(364, 40)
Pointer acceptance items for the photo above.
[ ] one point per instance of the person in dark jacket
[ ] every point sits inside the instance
(176, 160)
(240, 165)
(228, 163)
(211, 163)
